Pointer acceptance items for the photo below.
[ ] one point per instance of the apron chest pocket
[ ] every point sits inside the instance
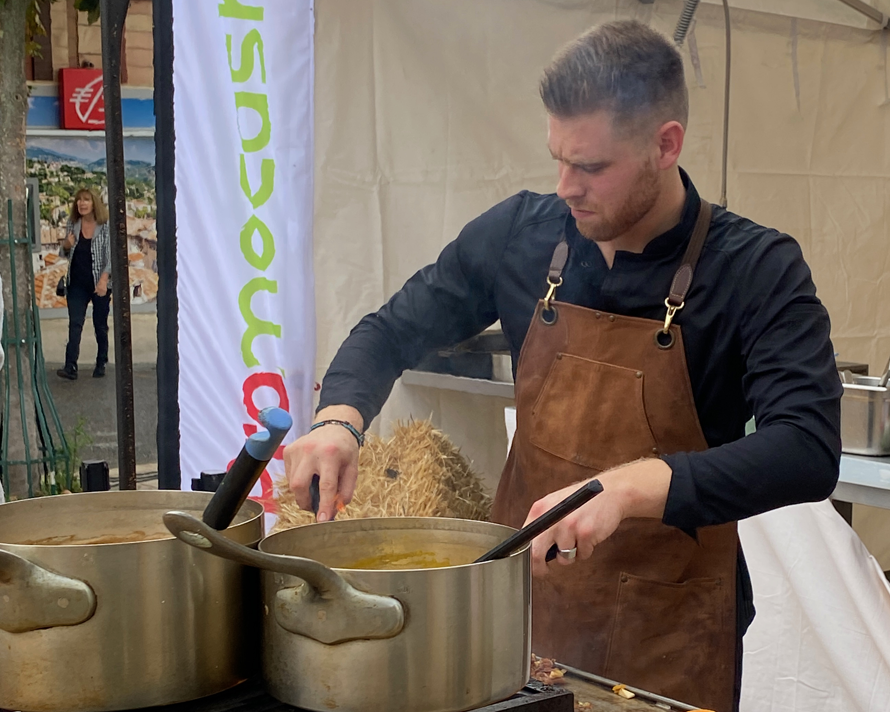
(592, 414)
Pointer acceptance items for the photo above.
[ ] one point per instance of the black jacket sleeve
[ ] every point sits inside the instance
(792, 387)
(442, 304)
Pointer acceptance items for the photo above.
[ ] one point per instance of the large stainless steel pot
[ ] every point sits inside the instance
(112, 626)
(420, 640)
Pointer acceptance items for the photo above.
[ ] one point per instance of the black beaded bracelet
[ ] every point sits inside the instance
(360, 438)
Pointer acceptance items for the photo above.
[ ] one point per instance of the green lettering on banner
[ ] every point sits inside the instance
(255, 40)
(255, 326)
(260, 104)
(238, 11)
(253, 48)
(261, 262)
(267, 182)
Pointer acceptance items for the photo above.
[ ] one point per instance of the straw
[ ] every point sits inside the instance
(418, 472)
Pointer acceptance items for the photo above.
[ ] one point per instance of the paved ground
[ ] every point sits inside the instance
(91, 401)
(54, 330)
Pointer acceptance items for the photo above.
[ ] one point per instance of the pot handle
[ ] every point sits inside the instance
(32, 597)
(326, 608)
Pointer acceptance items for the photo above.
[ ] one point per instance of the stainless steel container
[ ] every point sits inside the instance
(865, 417)
(112, 626)
(502, 367)
(341, 637)
(466, 637)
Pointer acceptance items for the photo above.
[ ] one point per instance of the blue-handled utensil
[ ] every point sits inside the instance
(247, 468)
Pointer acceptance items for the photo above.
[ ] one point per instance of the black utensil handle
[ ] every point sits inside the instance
(315, 496)
(233, 490)
(551, 553)
(545, 521)
(247, 468)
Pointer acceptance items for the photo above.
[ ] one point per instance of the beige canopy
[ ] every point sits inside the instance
(427, 114)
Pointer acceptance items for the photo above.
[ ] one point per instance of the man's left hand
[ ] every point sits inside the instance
(101, 289)
(639, 489)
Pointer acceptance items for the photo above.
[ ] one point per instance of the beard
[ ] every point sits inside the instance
(608, 227)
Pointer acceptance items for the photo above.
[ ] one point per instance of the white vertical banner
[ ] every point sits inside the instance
(243, 83)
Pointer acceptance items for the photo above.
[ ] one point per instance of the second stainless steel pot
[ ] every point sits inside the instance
(441, 639)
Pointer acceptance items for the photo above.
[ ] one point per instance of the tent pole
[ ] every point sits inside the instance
(869, 11)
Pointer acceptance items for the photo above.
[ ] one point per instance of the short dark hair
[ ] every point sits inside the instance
(622, 67)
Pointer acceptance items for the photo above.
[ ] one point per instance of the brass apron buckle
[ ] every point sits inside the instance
(672, 310)
(664, 338)
(551, 294)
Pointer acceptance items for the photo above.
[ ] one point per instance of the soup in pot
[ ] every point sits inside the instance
(75, 540)
(401, 560)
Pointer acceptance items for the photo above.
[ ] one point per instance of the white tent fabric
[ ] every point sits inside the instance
(427, 114)
(821, 638)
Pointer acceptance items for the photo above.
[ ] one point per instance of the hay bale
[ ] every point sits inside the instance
(418, 472)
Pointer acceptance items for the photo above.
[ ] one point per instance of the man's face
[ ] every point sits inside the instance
(610, 182)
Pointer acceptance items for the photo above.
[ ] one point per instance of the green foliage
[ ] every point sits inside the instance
(33, 28)
(91, 7)
(77, 439)
(66, 474)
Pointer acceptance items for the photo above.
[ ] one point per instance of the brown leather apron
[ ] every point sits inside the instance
(653, 607)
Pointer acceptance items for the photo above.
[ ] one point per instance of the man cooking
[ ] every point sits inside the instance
(646, 327)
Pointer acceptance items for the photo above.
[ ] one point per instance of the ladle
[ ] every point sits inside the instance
(518, 540)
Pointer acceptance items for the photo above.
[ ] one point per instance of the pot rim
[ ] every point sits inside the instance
(398, 525)
(255, 511)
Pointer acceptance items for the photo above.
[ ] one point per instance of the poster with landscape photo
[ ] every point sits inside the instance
(61, 167)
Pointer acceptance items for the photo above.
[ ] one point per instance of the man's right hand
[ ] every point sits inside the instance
(331, 452)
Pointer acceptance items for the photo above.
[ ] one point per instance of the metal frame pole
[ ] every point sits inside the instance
(114, 13)
(169, 475)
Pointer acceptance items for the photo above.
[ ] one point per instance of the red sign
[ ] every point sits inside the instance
(81, 99)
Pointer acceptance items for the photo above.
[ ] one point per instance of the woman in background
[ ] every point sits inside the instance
(88, 247)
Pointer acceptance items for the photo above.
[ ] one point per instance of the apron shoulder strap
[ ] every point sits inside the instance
(683, 278)
(558, 262)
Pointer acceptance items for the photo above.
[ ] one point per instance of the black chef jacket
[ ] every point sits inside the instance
(756, 338)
